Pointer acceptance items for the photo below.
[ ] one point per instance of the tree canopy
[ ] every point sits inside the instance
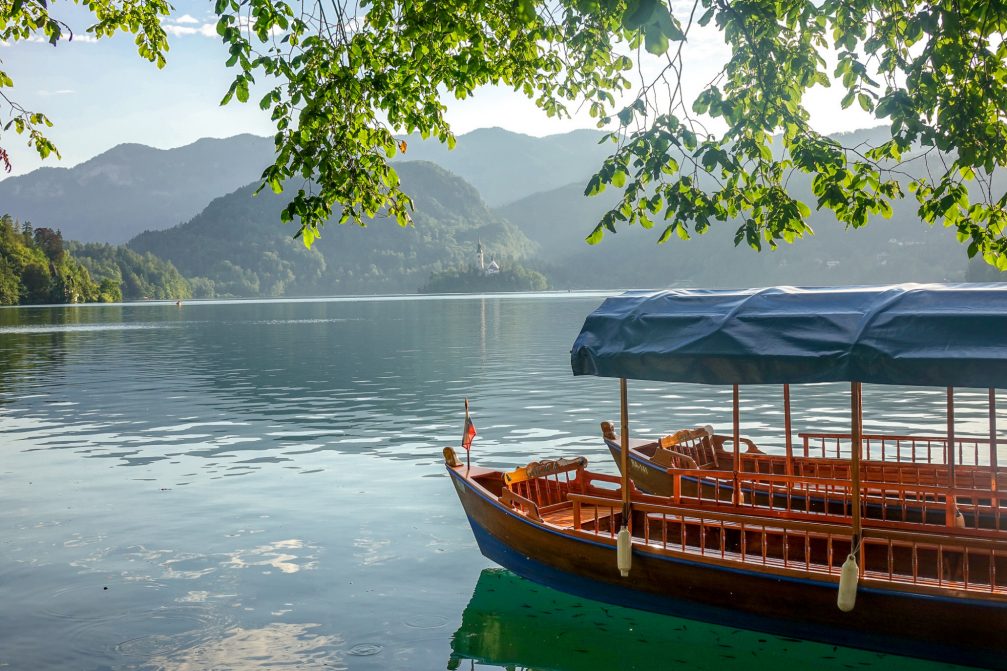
(350, 74)
(35, 268)
(39, 19)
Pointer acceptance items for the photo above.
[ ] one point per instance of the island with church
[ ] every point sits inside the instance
(481, 277)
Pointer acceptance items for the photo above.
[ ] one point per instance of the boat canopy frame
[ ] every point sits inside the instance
(944, 335)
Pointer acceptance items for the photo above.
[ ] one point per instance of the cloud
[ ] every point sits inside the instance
(187, 18)
(59, 92)
(205, 30)
(208, 29)
(244, 23)
(39, 39)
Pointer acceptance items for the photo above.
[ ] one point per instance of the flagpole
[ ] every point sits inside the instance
(468, 452)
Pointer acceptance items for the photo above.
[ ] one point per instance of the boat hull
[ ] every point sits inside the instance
(948, 629)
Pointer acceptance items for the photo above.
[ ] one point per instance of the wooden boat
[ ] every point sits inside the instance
(693, 464)
(737, 550)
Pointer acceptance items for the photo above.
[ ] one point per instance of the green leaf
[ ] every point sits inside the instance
(638, 13)
(596, 235)
(241, 92)
(668, 24)
(655, 41)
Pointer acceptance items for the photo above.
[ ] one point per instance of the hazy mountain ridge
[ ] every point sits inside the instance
(899, 249)
(239, 244)
(506, 166)
(133, 187)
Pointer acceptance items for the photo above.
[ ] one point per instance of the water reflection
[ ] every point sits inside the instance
(276, 645)
(511, 623)
(234, 388)
(228, 468)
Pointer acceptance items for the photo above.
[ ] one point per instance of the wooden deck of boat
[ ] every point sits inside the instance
(597, 518)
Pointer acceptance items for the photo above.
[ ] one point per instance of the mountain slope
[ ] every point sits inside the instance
(506, 166)
(132, 187)
(901, 249)
(239, 244)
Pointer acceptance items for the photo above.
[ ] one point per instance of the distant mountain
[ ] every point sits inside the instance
(506, 166)
(559, 219)
(900, 249)
(238, 243)
(131, 188)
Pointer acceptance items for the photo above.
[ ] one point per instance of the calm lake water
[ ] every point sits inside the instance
(252, 485)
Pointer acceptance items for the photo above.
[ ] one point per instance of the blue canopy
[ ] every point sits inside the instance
(912, 334)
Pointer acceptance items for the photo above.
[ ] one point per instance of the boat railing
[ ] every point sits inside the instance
(908, 473)
(882, 503)
(521, 503)
(931, 562)
(971, 451)
(544, 483)
(541, 490)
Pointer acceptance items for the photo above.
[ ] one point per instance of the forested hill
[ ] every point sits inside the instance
(132, 187)
(239, 246)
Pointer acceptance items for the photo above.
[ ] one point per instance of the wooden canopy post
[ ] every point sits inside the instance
(624, 539)
(856, 432)
(736, 497)
(993, 439)
(624, 457)
(786, 428)
(950, 503)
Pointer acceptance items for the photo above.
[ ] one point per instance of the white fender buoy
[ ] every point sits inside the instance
(848, 577)
(624, 552)
(959, 519)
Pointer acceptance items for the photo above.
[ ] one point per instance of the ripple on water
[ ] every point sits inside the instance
(95, 600)
(172, 630)
(425, 621)
(365, 649)
(89, 619)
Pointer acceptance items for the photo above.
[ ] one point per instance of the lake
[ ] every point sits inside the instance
(252, 485)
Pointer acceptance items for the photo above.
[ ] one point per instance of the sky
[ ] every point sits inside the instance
(100, 93)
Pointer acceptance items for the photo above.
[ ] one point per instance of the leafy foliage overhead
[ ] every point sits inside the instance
(350, 74)
(31, 19)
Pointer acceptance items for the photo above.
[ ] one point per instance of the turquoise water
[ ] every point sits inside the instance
(252, 485)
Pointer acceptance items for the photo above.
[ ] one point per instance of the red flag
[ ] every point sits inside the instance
(469, 432)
